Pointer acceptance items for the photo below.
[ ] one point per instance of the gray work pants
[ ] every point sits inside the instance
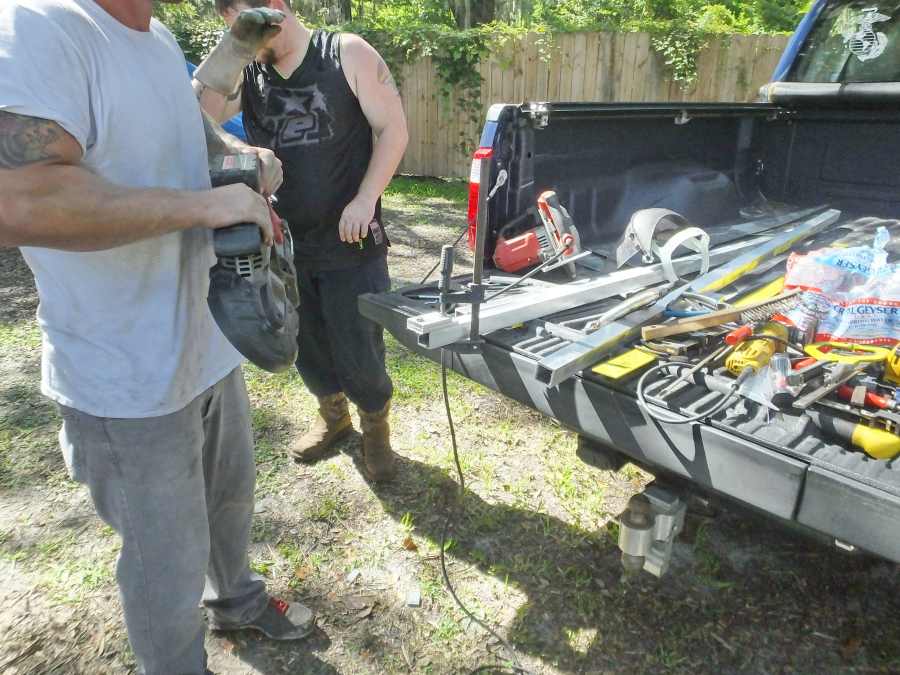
(179, 491)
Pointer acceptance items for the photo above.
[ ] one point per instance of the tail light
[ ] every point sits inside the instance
(475, 190)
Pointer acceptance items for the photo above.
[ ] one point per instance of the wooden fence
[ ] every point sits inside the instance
(582, 67)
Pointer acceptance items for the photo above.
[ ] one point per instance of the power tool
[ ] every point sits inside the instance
(554, 243)
(757, 351)
(253, 293)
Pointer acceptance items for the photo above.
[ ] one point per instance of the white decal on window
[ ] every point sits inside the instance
(863, 41)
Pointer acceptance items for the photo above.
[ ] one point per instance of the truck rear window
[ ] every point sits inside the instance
(853, 41)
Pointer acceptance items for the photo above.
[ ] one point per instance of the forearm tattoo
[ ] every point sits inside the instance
(26, 140)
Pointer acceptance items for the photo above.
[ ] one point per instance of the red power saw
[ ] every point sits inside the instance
(555, 243)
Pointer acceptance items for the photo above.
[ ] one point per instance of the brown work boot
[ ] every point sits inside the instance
(379, 457)
(332, 425)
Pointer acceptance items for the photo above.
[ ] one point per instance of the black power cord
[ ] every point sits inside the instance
(662, 416)
(453, 512)
(438, 263)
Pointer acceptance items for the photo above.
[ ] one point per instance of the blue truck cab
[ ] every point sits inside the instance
(825, 133)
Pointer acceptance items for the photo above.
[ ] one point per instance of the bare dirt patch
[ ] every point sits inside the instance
(534, 551)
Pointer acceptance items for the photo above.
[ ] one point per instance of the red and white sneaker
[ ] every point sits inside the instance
(280, 620)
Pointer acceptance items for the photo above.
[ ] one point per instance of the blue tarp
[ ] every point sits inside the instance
(234, 126)
(797, 40)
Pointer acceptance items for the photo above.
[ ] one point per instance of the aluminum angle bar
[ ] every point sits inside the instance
(438, 330)
(565, 363)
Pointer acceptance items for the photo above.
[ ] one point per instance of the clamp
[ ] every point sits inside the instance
(846, 352)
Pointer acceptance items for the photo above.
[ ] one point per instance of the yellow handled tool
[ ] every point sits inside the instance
(876, 443)
(756, 352)
(892, 366)
(845, 352)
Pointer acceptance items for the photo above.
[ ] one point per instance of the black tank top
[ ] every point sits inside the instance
(314, 124)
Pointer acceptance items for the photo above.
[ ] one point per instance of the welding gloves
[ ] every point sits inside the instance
(222, 70)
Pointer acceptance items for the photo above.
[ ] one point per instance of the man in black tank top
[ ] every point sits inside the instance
(316, 99)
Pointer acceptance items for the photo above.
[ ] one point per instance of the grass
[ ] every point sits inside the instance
(420, 189)
(63, 569)
(20, 337)
(534, 552)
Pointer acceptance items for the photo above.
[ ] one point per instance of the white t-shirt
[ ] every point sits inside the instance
(127, 331)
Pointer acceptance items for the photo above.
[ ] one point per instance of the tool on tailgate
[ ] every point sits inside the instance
(892, 366)
(253, 293)
(838, 374)
(575, 329)
(846, 352)
(563, 364)
(759, 311)
(756, 350)
(876, 443)
(554, 244)
(860, 396)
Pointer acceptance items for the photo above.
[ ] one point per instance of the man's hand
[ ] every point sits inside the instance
(254, 28)
(220, 142)
(250, 32)
(237, 204)
(271, 172)
(355, 220)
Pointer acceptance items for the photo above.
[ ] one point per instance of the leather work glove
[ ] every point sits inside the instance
(221, 71)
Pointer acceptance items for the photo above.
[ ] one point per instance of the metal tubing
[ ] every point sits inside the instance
(436, 330)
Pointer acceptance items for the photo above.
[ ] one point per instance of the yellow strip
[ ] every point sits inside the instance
(729, 279)
(624, 364)
(770, 290)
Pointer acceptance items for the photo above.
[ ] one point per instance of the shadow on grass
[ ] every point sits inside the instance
(29, 451)
(401, 233)
(560, 568)
(18, 297)
(582, 616)
(277, 658)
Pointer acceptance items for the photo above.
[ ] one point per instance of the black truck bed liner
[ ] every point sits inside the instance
(780, 464)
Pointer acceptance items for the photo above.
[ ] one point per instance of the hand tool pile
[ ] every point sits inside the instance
(770, 348)
(819, 340)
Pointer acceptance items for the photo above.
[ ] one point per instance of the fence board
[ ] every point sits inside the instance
(605, 86)
(582, 67)
(591, 62)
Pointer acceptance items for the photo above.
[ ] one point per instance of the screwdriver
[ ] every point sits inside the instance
(876, 443)
(845, 391)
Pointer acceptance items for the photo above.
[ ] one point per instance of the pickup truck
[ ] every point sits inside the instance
(825, 132)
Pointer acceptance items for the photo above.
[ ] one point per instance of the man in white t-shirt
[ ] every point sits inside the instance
(104, 185)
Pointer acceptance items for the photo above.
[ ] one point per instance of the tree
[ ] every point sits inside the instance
(469, 13)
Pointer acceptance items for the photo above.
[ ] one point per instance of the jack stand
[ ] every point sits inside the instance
(647, 530)
(448, 298)
(475, 294)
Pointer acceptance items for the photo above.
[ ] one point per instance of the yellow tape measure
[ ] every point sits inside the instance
(845, 352)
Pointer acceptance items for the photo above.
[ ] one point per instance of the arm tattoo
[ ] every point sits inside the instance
(26, 140)
(385, 77)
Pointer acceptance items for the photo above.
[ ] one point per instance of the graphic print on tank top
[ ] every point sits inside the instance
(296, 116)
(314, 123)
